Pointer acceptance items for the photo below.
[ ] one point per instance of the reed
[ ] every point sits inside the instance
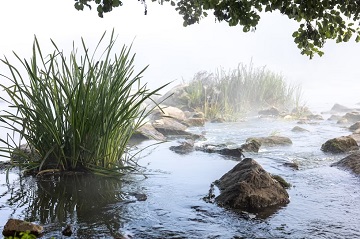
(75, 113)
(236, 92)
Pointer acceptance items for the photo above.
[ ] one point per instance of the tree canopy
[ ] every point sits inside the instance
(318, 20)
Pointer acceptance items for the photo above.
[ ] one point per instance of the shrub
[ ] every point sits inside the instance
(77, 113)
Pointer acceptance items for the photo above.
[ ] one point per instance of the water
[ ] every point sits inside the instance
(323, 199)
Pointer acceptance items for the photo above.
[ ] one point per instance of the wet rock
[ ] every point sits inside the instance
(301, 111)
(351, 163)
(222, 149)
(67, 231)
(139, 196)
(249, 187)
(356, 136)
(272, 140)
(299, 129)
(340, 145)
(291, 165)
(252, 145)
(342, 121)
(355, 126)
(15, 226)
(273, 111)
(184, 148)
(147, 131)
(281, 180)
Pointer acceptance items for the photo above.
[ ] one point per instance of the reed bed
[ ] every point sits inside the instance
(230, 94)
(76, 113)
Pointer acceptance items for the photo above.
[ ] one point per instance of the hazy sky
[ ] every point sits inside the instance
(175, 53)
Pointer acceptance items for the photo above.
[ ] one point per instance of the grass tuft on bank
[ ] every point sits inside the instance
(74, 113)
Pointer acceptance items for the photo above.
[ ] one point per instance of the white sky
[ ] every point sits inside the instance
(175, 53)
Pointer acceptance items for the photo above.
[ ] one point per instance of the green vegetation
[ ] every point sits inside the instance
(22, 235)
(74, 113)
(230, 94)
(318, 20)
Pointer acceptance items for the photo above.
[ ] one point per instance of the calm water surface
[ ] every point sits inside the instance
(323, 199)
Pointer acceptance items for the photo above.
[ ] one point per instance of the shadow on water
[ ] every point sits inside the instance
(81, 200)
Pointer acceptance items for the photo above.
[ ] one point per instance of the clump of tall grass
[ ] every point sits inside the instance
(236, 92)
(75, 113)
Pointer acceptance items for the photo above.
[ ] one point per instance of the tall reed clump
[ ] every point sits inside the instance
(233, 93)
(75, 113)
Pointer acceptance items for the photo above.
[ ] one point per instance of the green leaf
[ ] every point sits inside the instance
(116, 3)
(79, 6)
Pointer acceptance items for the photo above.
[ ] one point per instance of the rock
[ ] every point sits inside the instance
(356, 136)
(67, 231)
(301, 111)
(222, 149)
(342, 121)
(147, 131)
(176, 97)
(252, 145)
(291, 165)
(218, 120)
(340, 145)
(351, 163)
(334, 117)
(249, 187)
(194, 122)
(184, 148)
(25, 153)
(299, 129)
(13, 226)
(272, 140)
(273, 111)
(340, 108)
(352, 116)
(169, 126)
(168, 111)
(355, 126)
(315, 117)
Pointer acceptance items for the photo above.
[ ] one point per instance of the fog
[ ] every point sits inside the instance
(175, 53)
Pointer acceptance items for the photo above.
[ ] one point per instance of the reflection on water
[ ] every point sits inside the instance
(323, 199)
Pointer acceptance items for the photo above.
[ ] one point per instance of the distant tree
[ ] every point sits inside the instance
(319, 20)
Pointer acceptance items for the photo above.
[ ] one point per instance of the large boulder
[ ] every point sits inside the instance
(340, 145)
(15, 226)
(271, 140)
(170, 126)
(251, 145)
(351, 163)
(249, 187)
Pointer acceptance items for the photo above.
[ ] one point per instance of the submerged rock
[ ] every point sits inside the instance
(252, 145)
(299, 129)
(351, 163)
(15, 226)
(271, 140)
(249, 187)
(222, 149)
(340, 145)
(184, 147)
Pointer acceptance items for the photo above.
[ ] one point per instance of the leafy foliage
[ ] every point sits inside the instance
(318, 20)
(75, 113)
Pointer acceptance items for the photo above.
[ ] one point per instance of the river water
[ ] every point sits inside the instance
(323, 199)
